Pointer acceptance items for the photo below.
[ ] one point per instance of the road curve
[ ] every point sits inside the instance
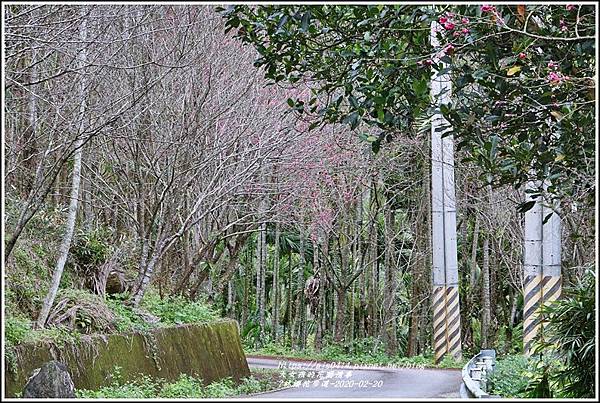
(326, 380)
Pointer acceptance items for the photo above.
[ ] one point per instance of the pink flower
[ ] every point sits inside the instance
(487, 8)
(450, 14)
(522, 55)
(552, 65)
(456, 34)
(449, 49)
(556, 77)
(449, 26)
(443, 20)
(563, 26)
(465, 30)
(570, 7)
(428, 62)
(464, 20)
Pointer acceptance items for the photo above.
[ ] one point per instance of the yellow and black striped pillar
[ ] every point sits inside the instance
(453, 322)
(532, 291)
(439, 322)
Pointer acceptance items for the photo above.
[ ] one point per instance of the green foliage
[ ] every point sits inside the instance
(126, 319)
(16, 329)
(141, 388)
(370, 64)
(186, 386)
(563, 363)
(569, 337)
(450, 362)
(90, 250)
(510, 377)
(178, 310)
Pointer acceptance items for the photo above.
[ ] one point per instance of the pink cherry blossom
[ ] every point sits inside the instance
(570, 7)
(449, 26)
(556, 78)
(486, 8)
(443, 20)
(464, 20)
(522, 55)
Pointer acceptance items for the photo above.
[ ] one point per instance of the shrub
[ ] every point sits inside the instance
(511, 376)
(185, 387)
(126, 319)
(16, 329)
(90, 250)
(569, 338)
(178, 310)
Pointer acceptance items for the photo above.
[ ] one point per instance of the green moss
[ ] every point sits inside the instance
(209, 351)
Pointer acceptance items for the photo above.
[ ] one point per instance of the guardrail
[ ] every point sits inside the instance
(475, 374)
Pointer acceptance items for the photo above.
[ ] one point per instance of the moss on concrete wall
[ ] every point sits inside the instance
(211, 352)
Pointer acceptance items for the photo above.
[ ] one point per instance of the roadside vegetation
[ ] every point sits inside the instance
(563, 364)
(367, 351)
(276, 165)
(186, 386)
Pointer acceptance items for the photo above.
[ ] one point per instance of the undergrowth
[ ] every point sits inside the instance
(185, 387)
(365, 351)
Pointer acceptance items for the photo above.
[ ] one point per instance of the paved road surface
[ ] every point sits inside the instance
(359, 382)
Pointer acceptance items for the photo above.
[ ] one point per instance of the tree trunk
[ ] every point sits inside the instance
(389, 305)
(372, 272)
(288, 309)
(320, 275)
(65, 245)
(485, 294)
(245, 276)
(340, 317)
(276, 296)
(260, 280)
(300, 296)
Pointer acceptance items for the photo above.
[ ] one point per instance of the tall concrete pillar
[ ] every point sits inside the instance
(445, 296)
(541, 264)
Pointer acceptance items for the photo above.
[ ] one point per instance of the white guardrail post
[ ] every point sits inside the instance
(475, 375)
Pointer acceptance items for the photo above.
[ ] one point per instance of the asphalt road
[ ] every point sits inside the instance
(325, 380)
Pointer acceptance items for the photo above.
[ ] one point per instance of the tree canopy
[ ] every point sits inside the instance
(523, 87)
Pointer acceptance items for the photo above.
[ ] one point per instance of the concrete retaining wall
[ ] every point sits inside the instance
(211, 352)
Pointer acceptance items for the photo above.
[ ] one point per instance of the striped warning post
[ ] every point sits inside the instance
(453, 322)
(439, 322)
(551, 289)
(532, 291)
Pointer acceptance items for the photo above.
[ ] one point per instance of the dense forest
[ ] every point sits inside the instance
(273, 165)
